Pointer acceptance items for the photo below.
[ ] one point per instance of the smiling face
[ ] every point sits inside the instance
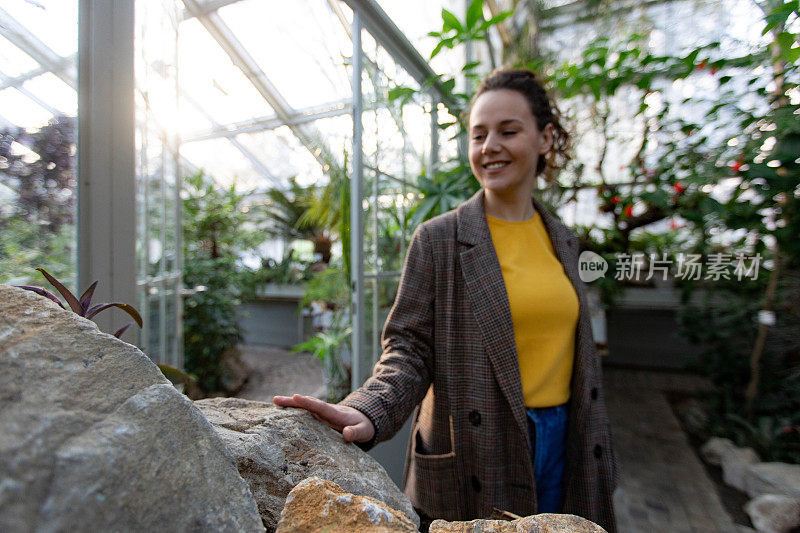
(505, 144)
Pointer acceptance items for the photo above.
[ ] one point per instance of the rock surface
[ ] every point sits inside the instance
(735, 463)
(773, 478)
(94, 438)
(713, 450)
(771, 513)
(277, 448)
(317, 506)
(541, 523)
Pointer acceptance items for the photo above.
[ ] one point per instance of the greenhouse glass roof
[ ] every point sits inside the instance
(261, 82)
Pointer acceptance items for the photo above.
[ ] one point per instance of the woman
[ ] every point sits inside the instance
(490, 335)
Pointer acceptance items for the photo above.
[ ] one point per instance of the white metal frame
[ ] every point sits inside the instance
(106, 153)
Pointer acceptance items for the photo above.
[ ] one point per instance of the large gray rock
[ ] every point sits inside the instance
(94, 438)
(772, 478)
(773, 513)
(319, 506)
(277, 448)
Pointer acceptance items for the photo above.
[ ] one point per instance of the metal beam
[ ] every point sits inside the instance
(52, 110)
(308, 136)
(381, 27)
(357, 311)
(209, 6)
(106, 153)
(70, 63)
(31, 45)
(301, 116)
(576, 12)
(254, 160)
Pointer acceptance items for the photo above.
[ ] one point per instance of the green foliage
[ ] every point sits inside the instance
(23, 244)
(37, 226)
(444, 192)
(330, 286)
(473, 28)
(288, 271)
(216, 229)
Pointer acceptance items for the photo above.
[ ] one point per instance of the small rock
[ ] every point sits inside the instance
(712, 451)
(316, 506)
(540, 523)
(772, 478)
(735, 463)
(773, 513)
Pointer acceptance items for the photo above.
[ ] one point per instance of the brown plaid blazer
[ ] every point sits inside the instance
(448, 346)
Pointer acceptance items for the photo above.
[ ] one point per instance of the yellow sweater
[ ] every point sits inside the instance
(544, 309)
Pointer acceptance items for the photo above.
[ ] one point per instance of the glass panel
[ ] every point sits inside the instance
(21, 111)
(158, 201)
(300, 45)
(14, 61)
(212, 86)
(54, 23)
(397, 149)
(38, 180)
(51, 89)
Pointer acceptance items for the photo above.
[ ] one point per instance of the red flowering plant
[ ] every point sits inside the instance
(728, 180)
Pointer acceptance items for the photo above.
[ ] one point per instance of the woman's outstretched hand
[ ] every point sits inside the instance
(354, 425)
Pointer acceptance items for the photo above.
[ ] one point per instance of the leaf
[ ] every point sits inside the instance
(174, 375)
(125, 307)
(73, 302)
(780, 15)
(42, 292)
(437, 49)
(474, 13)
(399, 92)
(86, 297)
(500, 17)
(451, 22)
(122, 330)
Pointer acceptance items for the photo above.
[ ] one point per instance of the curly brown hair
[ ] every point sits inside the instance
(543, 108)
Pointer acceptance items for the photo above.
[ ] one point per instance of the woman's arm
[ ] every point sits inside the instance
(378, 409)
(404, 372)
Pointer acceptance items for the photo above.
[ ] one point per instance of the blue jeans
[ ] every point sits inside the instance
(547, 427)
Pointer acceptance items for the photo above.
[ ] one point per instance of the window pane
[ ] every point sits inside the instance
(38, 134)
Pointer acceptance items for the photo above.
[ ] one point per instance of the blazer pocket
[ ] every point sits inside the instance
(433, 481)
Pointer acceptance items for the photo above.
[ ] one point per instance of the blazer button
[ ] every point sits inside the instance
(475, 418)
(476, 485)
(598, 451)
(594, 393)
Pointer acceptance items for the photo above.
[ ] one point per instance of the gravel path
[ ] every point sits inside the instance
(275, 370)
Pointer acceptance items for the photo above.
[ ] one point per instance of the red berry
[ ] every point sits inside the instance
(701, 65)
(615, 200)
(736, 166)
(679, 187)
(628, 211)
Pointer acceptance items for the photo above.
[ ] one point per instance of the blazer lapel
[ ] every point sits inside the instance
(487, 294)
